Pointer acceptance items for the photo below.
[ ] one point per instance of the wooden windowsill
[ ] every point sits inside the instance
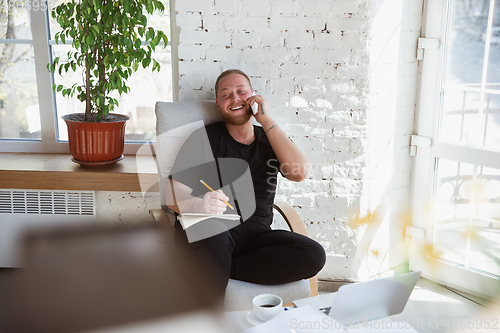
(58, 172)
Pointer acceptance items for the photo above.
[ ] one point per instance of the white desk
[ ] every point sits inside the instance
(238, 323)
(237, 320)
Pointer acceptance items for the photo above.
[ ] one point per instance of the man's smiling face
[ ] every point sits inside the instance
(233, 91)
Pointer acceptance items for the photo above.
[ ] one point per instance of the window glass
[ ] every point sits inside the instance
(14, 20)
(466, 229)
(491, 138)
(19, 109)
(470, 109)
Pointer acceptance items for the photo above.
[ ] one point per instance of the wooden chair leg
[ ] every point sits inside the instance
(296, 225)
(313, 284)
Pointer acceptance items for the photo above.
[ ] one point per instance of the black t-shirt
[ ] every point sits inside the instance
(233, 159)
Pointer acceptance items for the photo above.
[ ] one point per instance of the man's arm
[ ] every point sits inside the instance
(180, 200)
(293, 163)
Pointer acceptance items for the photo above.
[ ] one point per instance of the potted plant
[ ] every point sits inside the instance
(110, 40)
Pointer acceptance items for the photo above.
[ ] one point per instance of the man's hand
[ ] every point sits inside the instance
(263, 110)
(213, 202)
(293, 163)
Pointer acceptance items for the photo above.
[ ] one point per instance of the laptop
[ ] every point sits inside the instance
(362, 302)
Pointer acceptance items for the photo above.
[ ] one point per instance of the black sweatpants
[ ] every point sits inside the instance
(255, 253)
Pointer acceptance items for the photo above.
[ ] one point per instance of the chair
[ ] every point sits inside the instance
(174, 123)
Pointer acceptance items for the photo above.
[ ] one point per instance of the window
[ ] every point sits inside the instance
(30, 112)
(456, 196)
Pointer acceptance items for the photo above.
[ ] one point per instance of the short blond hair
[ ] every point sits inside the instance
(227, 73)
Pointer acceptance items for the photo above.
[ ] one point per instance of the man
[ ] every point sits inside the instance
(251, 251)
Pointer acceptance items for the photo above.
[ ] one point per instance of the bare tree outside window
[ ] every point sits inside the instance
(19, 115)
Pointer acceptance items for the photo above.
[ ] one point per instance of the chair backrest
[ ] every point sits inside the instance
(172, 115)
(174, 123)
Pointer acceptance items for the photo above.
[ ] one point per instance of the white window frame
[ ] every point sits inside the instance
(46, 96)
(424, 167)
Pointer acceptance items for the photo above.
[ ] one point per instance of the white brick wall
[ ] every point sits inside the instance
(125, 208)
(340, 76)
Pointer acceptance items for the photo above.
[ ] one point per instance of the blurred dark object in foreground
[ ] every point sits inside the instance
(86, 278)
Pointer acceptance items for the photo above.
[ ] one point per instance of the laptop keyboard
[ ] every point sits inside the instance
(326, 310)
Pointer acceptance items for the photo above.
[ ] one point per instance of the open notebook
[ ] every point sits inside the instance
(189, 219)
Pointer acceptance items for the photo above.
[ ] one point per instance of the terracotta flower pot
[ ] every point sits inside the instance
(96, 142)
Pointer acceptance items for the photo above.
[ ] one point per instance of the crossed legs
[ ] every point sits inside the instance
(255, 253)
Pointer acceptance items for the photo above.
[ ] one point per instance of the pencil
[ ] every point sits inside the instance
(201, 181)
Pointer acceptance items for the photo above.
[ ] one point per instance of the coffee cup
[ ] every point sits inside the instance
(267, 306)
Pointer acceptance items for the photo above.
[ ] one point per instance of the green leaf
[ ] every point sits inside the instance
(156, 65)
(156, 40)
(135, 66)
(63, 38)
(160, 6)
(151, 32)
(96, 28)
(149, 6)
(146, 62)
(165, 39)
(59, 88)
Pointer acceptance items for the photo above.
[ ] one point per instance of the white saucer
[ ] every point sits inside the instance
(252, 319)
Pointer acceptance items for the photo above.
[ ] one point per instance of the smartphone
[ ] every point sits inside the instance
(255, 105)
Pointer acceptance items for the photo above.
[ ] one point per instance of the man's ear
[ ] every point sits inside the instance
(217, 102)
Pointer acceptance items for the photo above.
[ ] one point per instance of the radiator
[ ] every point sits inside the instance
(21, 210)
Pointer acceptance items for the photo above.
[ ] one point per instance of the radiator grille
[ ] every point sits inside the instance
(47, 202)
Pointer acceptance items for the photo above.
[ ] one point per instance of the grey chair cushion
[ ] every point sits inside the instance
(239, 294)
(170, 115)
(174, 123)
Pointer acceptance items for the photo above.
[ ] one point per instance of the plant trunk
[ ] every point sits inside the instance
(88, 107)
(101, 55)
